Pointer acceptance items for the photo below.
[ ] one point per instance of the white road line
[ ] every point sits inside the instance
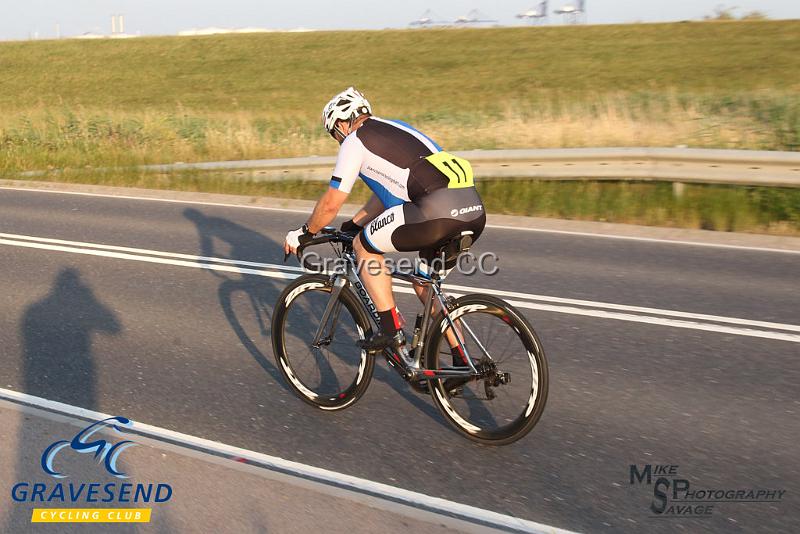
(467, 289)
(708, 327)
(154, 199)
(152, 258)
(360, 485)
(625, 307)
(497, 226)
(148, 252)
(148, 259)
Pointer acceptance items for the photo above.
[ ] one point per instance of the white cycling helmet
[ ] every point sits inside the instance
(347, 106)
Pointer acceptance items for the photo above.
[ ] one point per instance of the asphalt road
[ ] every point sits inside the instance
(188, 349)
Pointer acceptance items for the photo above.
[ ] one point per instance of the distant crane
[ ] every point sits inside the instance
(536, 14)
(572, 13)
(474, 17)
(428, 18)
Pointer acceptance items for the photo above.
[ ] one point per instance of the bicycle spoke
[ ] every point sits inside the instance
(475, 339)
(329, 369)
(507, 396)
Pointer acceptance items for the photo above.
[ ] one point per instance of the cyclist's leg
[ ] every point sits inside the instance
(421, 226)
(372, 242)
(377, 280)
(388, 232)
(423, 296)
(447, 213)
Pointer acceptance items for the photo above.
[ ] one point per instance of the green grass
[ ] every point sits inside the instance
(708, 207)
(406, 72)
(75, 103)
(79, 105)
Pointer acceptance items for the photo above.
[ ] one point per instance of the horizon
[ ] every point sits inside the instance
(253, 30)
(50, 19)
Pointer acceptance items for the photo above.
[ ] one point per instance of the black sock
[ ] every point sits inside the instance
(390, 321)
(458, 359)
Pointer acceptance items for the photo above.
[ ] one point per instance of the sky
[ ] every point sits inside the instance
(24, 19)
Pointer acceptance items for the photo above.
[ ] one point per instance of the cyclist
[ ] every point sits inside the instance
(422, 197)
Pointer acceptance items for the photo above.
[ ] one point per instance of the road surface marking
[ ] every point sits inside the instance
(468, 289)
(593, 309)
(274, 463)
(496, 226)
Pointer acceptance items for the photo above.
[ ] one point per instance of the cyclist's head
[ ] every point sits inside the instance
(345, 107)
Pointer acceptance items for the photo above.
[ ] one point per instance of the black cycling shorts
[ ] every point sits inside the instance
(427, 223)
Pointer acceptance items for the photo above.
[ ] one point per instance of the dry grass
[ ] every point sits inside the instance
(73, 103)
(613, 120)
(46, 138)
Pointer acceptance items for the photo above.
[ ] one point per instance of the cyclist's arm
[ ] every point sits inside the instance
(348, 165)
(371, 209)
(326, 209)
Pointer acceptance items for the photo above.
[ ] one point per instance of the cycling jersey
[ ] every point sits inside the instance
(429, 194)
(390, 157)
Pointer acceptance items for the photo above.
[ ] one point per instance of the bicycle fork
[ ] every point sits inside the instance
(331, 311)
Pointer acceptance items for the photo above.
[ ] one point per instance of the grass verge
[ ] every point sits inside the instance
(74, 103)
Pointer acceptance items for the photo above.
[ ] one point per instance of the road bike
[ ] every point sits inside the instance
(495, 394)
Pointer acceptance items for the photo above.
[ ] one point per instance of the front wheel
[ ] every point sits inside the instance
(506, 400)
(334, 372)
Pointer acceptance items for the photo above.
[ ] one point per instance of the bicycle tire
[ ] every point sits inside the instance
(530, 412)
(288, 366)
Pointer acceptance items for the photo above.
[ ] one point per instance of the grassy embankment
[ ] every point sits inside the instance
(77, 104)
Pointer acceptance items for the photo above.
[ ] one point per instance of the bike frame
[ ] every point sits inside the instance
(339, 282)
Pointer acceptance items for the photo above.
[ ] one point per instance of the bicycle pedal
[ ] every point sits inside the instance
(454, 387)
(456, 393)
(420, 386)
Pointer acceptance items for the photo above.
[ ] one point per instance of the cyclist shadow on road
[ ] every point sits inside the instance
(239, 281)
(57, 331)
(57, 363)
(261, 293)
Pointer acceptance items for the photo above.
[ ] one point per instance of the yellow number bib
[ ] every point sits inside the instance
(457, 170)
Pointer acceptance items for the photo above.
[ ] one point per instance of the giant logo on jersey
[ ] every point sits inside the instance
(462, 211)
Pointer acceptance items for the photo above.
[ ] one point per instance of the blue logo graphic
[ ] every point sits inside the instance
(103, 451)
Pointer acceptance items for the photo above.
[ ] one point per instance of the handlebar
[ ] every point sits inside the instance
(329, 234)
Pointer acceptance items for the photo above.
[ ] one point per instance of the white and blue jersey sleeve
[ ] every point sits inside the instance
(348, 164)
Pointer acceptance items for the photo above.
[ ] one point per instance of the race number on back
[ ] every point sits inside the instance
(458, 170)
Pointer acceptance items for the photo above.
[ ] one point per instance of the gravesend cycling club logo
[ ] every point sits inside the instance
(103, 450)
(675, 496)
(106, 452)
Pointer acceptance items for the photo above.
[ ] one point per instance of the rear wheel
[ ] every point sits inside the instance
(505, 401)
(336, 372)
